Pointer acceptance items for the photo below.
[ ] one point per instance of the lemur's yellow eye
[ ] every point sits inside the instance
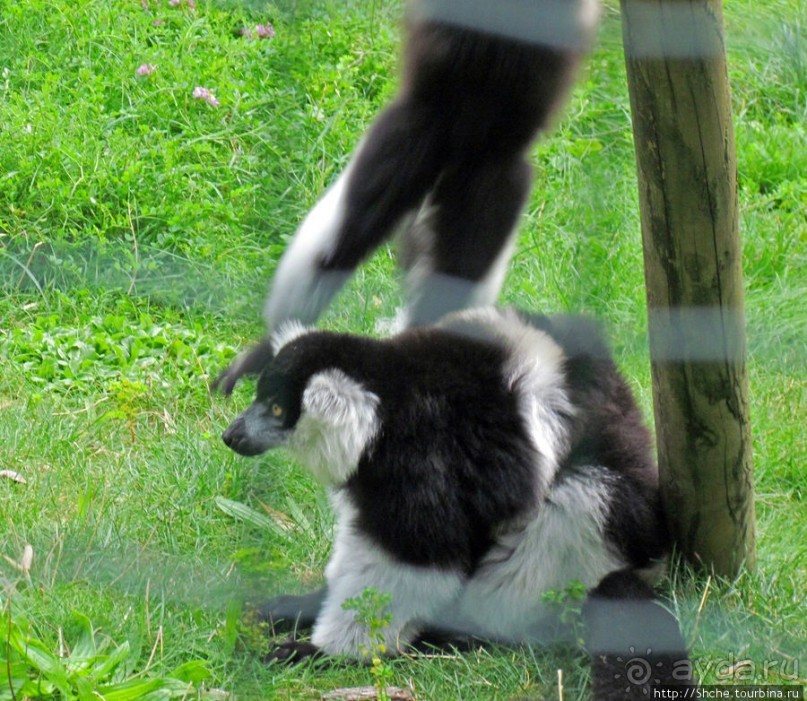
(277, 410)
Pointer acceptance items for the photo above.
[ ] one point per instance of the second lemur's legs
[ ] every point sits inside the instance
(394, 167)
(456, 252)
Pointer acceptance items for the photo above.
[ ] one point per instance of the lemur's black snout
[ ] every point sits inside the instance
(229, 436)
(236, 439)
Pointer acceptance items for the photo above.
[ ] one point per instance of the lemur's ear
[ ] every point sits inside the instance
(335, 399)
(339, 421)
(249, 363)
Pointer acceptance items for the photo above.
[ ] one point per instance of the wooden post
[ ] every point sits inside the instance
(681, 111)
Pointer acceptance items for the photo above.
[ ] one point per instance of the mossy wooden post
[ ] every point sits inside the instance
(681, 111)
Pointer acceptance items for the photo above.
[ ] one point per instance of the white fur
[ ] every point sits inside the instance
(422, 284)
(287, 332)
(486, 291)
(589, 15)
(565, 541)
(535, 373)
(338, 422)
(418, 593)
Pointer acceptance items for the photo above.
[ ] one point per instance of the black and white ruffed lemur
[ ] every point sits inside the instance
(473, 466)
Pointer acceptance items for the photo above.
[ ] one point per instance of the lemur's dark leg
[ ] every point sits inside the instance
(469, 106)
(458, 249)
(395, 165)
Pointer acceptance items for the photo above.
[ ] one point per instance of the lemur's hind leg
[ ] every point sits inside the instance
(456, 252)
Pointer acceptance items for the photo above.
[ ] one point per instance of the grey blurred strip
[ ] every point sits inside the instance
(564, 24)
(660, 28)
(696, 334)
(671, 29)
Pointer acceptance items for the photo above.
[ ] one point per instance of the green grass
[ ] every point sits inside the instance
(138, 229)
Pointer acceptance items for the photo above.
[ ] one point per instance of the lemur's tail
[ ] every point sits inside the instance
(635, 643)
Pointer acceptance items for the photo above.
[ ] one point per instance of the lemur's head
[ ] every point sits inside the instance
(308, 401)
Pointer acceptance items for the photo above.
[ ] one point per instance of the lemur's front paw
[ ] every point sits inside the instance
(281, 614)
(293, 652)
(291, 612)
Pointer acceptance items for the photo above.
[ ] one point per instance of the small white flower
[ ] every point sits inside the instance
(259, 31)
(145, 69)
(201, 93)
(264, 31)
